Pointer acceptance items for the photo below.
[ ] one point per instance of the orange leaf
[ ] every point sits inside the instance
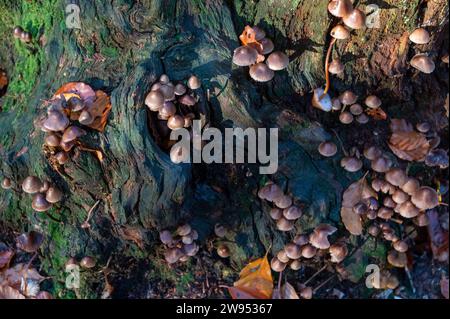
(248, 36)
(377, 114)
(100, 110)
(254, 280)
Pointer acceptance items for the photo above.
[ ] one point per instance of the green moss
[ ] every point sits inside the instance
(110, 52)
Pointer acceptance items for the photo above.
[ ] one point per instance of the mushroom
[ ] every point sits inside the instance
(190, 250)
(360, 208)
(56, 121)
(400, 196)
(184, 230)
(355, 20)
(292, 213)
(277, 61)
(281, 255)
(356, 109)
(327, 149)
(29, 242)
(167, 110)
(348, 98)
(223, 251)
(351, 164)
(258, 32)
(166, 237)
(188, 119)
(220, 230)
(308, 251)
(389, 235)
(346, 117)
(372, 214)
(362, 119)
(187, 100)
(336, 104)
(87, 262)
(276, 213)
(385, 213)
(270, 192)
(373, 101)
(336, 67)
(179, 89)
(17, 32)
(164, 79)
(277, 265)
(85, 118)
(75, 104)
(172, 255)
(283, 201)
(372, 152)
(397, 259)
(338, 252)
(301, 240)
(31, 185)
(322, 101)
(381, 164)
(245, 56)
(340, 32)
(401, 246)
(67, 146)
(72, 133)
(425, 198)
(293, 251)
(53, 195)
(340, 8)
(423, 63)
(377, 184)
(154, 100)
(175, 122)
(373, 230)
(372, 203)
(62, 157)
(188, 239)
(194, 83)
(396, 177)
(410, 186)
(420, 36)
(260, 72)
(295, 265)
(39, 203)
(52, 140)
(407, 210)
(421, 220)
(6, 183)
(267, 45)
(423, 127)
(306, 293)
(319, 237)
(284, 224)
(71, 262)
(25, 37)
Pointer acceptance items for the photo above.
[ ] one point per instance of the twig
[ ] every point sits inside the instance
(323, 284)
(315, 275)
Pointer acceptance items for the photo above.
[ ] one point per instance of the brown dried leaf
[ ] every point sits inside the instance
(135, 234)
(100, 110)
(3, 80)
(13, 276)
(354, 194)
(288, 292)
(7, 292)
(409, 146)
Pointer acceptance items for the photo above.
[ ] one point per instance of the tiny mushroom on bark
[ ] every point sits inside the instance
(154, 100)
(194, 83)
(87, 262)
(407, 210)
(356, 109)
(223, 251)
(6, 183)
(396, 177)
(293, 251)
(30, 242)
(336, 67)
(260, 72)
(351, 164)
(39, 203)
(53, 195)
(346, 117)
(308, 251)
(245, 56)
(276, 213)
(327, 149)
(397, 259)
(381, 164)
(284, 224)
(348, 98)
(72, 133)
(319, 237)
(277, 61)
(372, 152)
(338, 252)
(31, 185)
(425, 198)
(340, 32)
(283, 202)
(292, 213)
(277, 265)
(420, 36)
(52, 140)
(423, 63)
(373, 101)
(340, 8)
(410, 186)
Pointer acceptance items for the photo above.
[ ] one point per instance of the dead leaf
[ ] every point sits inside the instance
(354, 194)
(288, 292)
(409, 146)
(84, 91)
(5, 258)
(248, 36)
(255, 280)
(135, 234)
(377, 114)
(14, 275)
(100, 110)
(7, 292)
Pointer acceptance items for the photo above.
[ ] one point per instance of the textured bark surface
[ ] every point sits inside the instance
(122, 48)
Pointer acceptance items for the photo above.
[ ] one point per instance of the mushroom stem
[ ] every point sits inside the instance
(327, 65)
(91, 210)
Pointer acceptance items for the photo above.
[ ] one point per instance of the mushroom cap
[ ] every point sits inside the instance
(39, 203)
(52, 140)
(373, 101)
(71, 262)
(321, 101)
(245, 56)
(346, 117)
(397, 259)
(276, 213)
(372, 152)
(87, 262)
(295, 265)
(188, 239)
(348, 98)
(62, 157)
(308, 251)
(400, 246)
(164, 79)
(385, 213)
(260, 72)
(172, 255)
(277, 61)
(168, 91)
(53, 195)
(373, 230)
(362, 118)
(407, 210)
(190, 249)
(281, 255)
(76, 104)
(179, 89)
(396, 177)
(72, 133)
(423, 63)
(17, 32)
(360, 208)
(259, 33)
(351, 164)
(284, 224)
(220, 230)
(356, 109)
(223, 251)
(327, 149)
(187, 100)
(423, 127)
(267, 45)
(340, 32)
(372, 214)
(56, 121)
(340, 8)
(336, 104)
(301, 240)
(67, 146)
(154, 100)
(336, 67)
(283, 201)
(184, 230)
(292, 213)
(425, 198)
(293, 251)
(377, 184)
(338, 252)
(166, 237)
(410, 186)
(306, 293)
(372, 203)
(400, 196)
(381, 164)
(175, 122)
(167, 110)
(179, 154)
(29, 242)
(437, 157)
(194, 83)
(319, 237)
(31, 185)
(85, 118)
(355, 20)
(421, 220)
(277, 265)
(420, 36)
(25, 36)
(6, 183)
(270, 192)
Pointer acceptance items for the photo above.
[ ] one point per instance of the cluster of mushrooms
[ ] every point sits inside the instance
(284, 212)
(421, 61)
(252, 53)
(44, 193)
(175, 103)
(86, 262)
(22, 35)
(180, 245)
